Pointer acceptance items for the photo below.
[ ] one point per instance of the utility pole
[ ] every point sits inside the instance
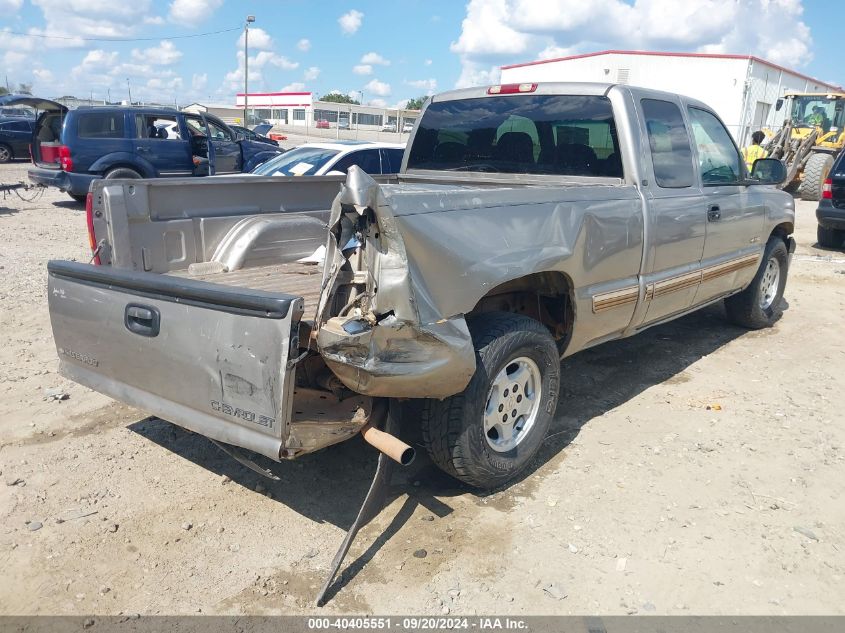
(108, 92)
(129, 89)
(249, 20)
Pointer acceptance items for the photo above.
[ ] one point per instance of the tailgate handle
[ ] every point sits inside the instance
(142, 320)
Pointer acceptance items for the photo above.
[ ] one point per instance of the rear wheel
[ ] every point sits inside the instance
(829, 238)
(815, 171)
(487, 434)
(79, 198)
(121, 172)
(5, 153)
(758, 305)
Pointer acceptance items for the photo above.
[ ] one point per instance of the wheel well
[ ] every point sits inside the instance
(783, 230)
(134, 168)
(546, 297)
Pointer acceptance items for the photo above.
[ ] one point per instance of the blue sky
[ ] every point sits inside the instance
(391, 51)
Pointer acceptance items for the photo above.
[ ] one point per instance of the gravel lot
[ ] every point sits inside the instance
(694, 469)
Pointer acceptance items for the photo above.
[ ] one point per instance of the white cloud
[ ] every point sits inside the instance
(304, 45)
(296, 86)
(192, 12)
(8, 6)
(164, 54)
(14, 59)
(428, 62)
(350, 22)
(428, 85)
(496, 32)
(259, 39)
(378, 88)
(375, 58)
(76, 19)
(312, 73)
(199, 82)
(43, 75)
(234, 80)
(98, 59)
(362, 69)
(378, 103)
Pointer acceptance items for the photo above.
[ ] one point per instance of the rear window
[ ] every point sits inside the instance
(100, 125)
(523, 134)
(302, 161)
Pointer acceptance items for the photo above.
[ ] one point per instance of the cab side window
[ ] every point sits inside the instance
(156, 127)
(219, 133)
(669, 142)
(718, 158)
(367, 159)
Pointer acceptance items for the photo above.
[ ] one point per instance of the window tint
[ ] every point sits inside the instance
(366, 159)
(392, 160)
(18, 126)
(195, 126)
(523, 134)
(156, 127)
(718, 157)
(100, 125)
(670, 149)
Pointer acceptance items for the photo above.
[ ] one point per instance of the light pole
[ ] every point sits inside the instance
(129, 88)
(249, 20)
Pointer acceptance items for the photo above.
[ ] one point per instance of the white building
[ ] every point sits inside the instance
(742, 89)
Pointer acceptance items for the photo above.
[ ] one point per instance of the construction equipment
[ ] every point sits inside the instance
(813, 133)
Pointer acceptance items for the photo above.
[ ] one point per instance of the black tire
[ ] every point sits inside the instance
(815, 171)
(6, 153)
(81, 199)
(453, 429)
(121, 172)
(747, 308)
(829, 238)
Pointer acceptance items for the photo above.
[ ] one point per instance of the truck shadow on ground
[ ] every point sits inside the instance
(329, 486)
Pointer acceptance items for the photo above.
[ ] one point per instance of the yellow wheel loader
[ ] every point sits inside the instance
(813, 133)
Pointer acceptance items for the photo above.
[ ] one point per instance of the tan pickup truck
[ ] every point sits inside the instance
(528, 222)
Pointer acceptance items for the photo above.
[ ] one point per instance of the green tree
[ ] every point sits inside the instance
(335, 97)
(3, 90)
(416, 104)
(25, 89)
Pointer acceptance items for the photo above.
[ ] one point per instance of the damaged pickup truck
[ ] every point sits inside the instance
(528, 222)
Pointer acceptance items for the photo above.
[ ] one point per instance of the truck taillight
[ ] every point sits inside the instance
(509, 89)
(89, 220)
(827, 190)
(65, 161)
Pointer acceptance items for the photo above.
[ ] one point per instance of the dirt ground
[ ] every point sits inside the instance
(694, 469)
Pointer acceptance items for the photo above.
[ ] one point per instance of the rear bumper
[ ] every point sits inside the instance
(830, 217)
(74, 184)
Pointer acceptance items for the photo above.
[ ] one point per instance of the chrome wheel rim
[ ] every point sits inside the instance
(4, 155)
(769, 284)
(513, 404)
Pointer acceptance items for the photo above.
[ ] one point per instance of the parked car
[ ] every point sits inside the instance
(322, 124)
(831, 210)
(462, 281)
(71, 148)
(257, 134)
(343, 124)
(388, 127)
(15, 137)
(330, 159)
(408, 127)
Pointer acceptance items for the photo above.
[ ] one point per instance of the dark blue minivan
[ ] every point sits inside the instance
(70, 148)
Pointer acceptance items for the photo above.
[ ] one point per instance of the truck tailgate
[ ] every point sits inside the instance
(210, 358)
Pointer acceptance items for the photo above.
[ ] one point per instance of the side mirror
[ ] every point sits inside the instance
(768, 171)
(778, 105)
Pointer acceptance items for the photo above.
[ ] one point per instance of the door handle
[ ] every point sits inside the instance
(142, 320)
(142, 149)
(714, 213)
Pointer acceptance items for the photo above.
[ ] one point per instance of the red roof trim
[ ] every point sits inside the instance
(274, 94)
(665, 54)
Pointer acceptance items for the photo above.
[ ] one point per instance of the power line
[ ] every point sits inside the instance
(120, 39)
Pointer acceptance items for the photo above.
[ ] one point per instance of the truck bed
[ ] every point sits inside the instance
(291, 278)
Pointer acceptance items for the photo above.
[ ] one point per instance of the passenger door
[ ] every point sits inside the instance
(159, 141)
(676, 213)
(227, 151)
(735, 212)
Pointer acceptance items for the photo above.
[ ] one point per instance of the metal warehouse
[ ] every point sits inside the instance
(743, 89)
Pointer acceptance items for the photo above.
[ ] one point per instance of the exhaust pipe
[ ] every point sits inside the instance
(390, 445)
